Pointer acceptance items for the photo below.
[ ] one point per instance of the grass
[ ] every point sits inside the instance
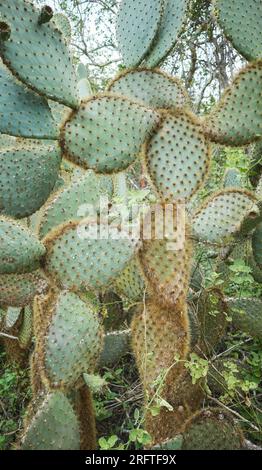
(15, 395)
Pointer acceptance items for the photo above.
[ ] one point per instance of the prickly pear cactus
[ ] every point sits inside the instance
(72, 254)
(240, 21)
(152, 87)
(34, 169)
(105, 150)
(21, 251)
(48, 68)
(212, 429)
(68, 344)
(53, 427)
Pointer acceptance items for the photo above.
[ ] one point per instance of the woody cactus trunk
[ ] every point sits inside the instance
(52, 278)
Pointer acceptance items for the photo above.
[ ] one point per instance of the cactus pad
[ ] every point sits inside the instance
(247, 315)
(54, 427)
(84, 408)
(26, 329)
(116, 345)
(21, 251)
(161, 341)
(11, 317)
(33, 170)
(106, 133)
(72, 341)
(19, 290)
(232, 178)
(177, 157)
(166, 266)
(136, 28)
(212, 319)
(223, 216)
(78, 257)
(152, 87)
(236, 120)
(171, 444)
(211, 429)
(131, 284)
(22, 112)
(84, 89)
(257, 245)
(37, 54)
(74, 201)
(62, 23)
(167, 34)
(241, 23)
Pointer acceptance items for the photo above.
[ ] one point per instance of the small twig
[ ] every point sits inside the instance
(231, 348)
(3, 408)
(234, 413)
(5, 335)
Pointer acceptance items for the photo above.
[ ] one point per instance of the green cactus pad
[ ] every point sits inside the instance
(223, 216)
(247, 315)
(212, 319)
(241, 22)
(106, 133)
(172, 444)
(116, 345)
(73, 340)
(26, 329)
(11, 317)
(33, 170)
(171, 24)
(166, 265)
(82, 71)
(159, 336)
(76, 201)
(84, 89)
(236, 120)
(54, 427)
(177, 157)
(232, 178)
(22, 112)
(59, 112)
(62, 23)
(131, 284)
(257, 245)
(37, 54)
(21, 251)
(153, 88)
(19, 290)
(137, 24)
(211, 429)
(78, 257)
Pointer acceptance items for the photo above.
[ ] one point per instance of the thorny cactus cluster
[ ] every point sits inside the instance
(52, 281)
